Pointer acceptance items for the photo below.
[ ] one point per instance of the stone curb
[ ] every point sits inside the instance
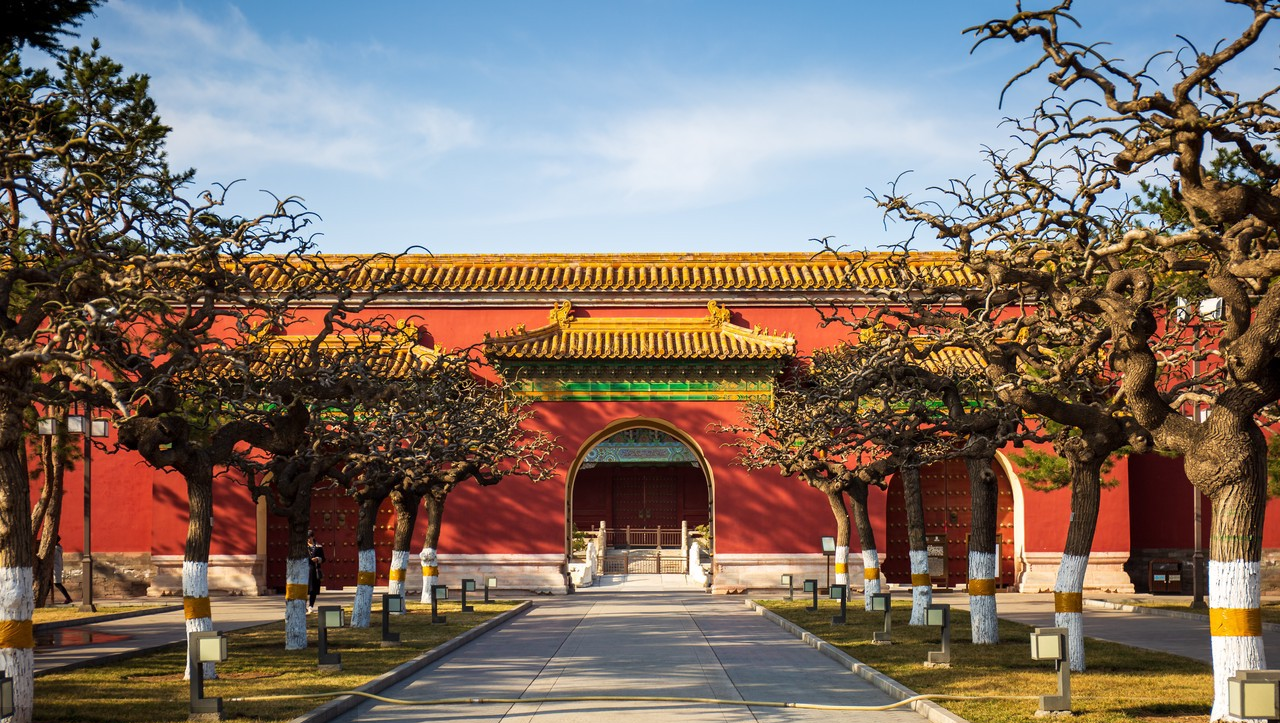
(1108, 605)
(76, 622)
(340, 705)
(926, 708)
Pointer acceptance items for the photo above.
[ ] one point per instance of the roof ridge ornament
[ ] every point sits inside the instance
(562, 312)
(717, 314)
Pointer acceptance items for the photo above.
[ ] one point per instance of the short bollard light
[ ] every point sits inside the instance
(391, 605)
(468, 585)
(202, 647)
(789, 581)
(811, 586)
(330, 617)
(490, 583)
(1051, 644)
(839, 592)
(438, 593)
(1254, 694)
(882, 602)
(939, 615)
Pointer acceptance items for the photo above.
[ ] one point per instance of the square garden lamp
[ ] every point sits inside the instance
(882, 602)
(829, 549)
(841, 593)
(468, 585)
(789, 581)
(438, 593)
(1254, 694)
(1051, 644)
(330, 617)
(89, 428)
(202, 647)
(811, 586)
(939, 615)
(490, 583)
(391, 604)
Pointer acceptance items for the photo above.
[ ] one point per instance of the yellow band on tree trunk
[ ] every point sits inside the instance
(295, 591)
(921, 579)
(982, 586)
(870, 573)
(17, 634)
(1235, 622)
(367, 578)
(431, 571)
(196, 607)
(1068, 602)
(396, 574)
(842, 568)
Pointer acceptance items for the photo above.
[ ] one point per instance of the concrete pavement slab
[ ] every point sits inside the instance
(636, 644)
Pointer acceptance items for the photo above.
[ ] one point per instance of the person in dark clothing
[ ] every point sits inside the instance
(57, 571)
(315, 559)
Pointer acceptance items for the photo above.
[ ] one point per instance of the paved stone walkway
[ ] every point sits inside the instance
(636, 638)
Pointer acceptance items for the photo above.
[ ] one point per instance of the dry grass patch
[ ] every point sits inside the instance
(150, 688)
(1270, 608)
(1121, 684)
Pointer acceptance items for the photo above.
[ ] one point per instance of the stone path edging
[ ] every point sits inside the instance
(107, 617)
(338, 706)
(1124, 607)
(927, 708)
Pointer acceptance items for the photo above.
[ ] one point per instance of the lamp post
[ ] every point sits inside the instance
(939, 615)
(330, 617)
(1051, 644)
(490, 583)
(89, 428)
(882, 602)
(811, 586)
(839, 592)
(789, 581)
(438, 593)
(204, 647)
(829, 549)
(468, 585)
(390, 604)
(1254, 694)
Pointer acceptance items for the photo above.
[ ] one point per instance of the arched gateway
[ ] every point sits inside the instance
(637, 490)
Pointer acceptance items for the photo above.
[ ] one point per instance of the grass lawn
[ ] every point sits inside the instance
(72, 611)
(1121, 683)
(150, 688)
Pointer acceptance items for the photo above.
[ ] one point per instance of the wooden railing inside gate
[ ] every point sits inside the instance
(658, 538)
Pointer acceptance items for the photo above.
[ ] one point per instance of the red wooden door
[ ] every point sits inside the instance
(948, 514)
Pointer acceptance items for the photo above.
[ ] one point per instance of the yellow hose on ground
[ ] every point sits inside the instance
(630, 699)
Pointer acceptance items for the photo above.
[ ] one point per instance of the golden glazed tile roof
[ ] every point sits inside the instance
(394, 360)
(490, 273)
(644, 338)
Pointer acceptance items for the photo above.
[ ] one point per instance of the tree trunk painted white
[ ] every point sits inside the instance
(842, 566)
(366, 575)
(297, 572)
(430, 572)
(195, 607)
(870, 576)
(17, 645)
(1235, 599)
(921, 595)
(396, 575)
(1068, 613)
(984, 626)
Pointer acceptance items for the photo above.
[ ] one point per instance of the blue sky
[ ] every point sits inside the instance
(588, 126)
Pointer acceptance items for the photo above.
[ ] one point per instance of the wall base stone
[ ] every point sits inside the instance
(1106, 572)
(762, 572)
(228, 575)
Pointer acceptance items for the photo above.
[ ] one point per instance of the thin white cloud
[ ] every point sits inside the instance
(238, 103)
